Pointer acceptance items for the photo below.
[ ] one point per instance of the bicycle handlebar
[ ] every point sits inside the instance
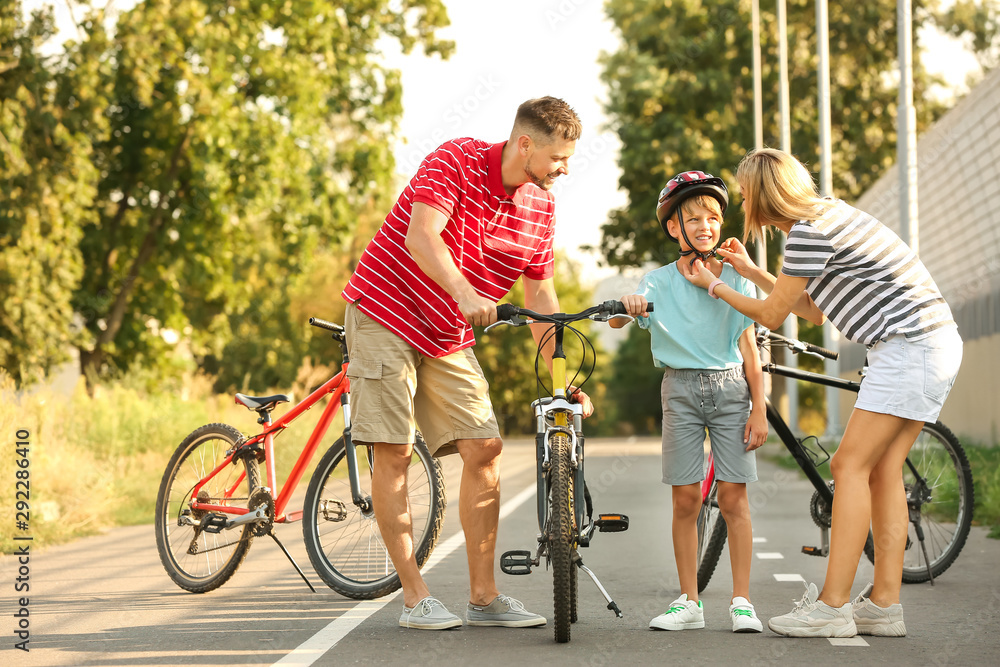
(802, 346)
(507, 311)
(323, 324)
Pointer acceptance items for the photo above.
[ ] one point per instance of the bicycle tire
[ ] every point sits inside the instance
(346, 550)
(196, 560)
(711, 536)
(561, 535)
(946, 516)
(573, 591)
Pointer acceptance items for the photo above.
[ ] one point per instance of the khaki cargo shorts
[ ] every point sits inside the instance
(395, 390)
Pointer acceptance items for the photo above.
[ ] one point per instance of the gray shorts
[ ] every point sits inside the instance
(696, 400)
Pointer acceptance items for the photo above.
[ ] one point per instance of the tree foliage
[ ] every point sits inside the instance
(681, 97)
(46, 184)
(224, 146)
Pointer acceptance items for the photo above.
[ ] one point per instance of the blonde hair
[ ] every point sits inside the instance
(705, 201)
(776, 188)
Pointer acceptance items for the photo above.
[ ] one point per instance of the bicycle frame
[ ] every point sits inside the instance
(339, 387)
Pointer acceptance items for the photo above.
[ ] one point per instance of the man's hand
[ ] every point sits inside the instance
(478, 311)
(735, 254)
(697, 273)
(755, 432)
(578, 396)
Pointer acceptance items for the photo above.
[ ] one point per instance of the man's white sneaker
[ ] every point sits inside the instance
(428, 614)
(813, 618)
(683, 614)
(872, 619)
(744, 617)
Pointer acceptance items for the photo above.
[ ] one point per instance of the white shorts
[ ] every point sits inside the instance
(911, 378)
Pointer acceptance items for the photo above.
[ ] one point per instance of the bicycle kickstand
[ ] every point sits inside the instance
(291, 560)
(611, 603)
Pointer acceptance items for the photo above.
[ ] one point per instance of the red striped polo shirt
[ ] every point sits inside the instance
(494, 238)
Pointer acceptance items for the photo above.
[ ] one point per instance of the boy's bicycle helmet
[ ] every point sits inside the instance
(682, 186)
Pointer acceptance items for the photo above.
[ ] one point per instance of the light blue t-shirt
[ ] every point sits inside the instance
(688, 328)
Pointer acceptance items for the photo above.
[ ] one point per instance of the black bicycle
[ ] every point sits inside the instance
(937, 477)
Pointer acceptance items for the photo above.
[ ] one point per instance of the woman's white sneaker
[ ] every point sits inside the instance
(744, 617)
(428, 614)
(813, 618)
(683, 614)
(872, 619)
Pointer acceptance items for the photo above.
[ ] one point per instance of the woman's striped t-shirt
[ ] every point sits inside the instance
(863, 277)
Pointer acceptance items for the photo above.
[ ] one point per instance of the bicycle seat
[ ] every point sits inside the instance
(265, 403)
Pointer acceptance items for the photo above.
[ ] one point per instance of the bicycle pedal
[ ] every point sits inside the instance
(611, 523)
(214, 523)
(813, 551)
(517, 562)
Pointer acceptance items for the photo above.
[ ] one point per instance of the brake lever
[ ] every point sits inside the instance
(629, 318)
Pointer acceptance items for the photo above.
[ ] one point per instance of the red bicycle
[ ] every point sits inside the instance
(212, 501)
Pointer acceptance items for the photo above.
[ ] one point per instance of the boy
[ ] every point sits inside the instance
(711, 373)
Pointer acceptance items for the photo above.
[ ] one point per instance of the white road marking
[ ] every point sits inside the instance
(769, 555)
(313, 648)
(759, 540)
(789, 577)
(848, 641)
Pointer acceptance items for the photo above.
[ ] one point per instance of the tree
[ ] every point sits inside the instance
(46, 185)
(681, 97)
(977, 22)
(231, 141)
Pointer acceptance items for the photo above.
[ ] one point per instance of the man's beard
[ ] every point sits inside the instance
(539, 181)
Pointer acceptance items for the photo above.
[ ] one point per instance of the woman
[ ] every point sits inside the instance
(844, 264)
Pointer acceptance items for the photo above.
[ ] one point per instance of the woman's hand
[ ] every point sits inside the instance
(697, 273)
(735, 255)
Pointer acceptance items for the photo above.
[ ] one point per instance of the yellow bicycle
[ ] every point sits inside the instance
(565, 508)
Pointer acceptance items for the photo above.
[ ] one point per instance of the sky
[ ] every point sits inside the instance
(520, 49)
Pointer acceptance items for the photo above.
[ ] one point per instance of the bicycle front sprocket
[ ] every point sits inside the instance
(262, 498)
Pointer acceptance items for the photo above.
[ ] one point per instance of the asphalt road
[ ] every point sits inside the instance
(106, 600)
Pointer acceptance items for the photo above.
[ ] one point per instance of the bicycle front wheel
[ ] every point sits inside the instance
(561, 535)
(343, 540)
(199, 561)
(711, 536)
(938, 482)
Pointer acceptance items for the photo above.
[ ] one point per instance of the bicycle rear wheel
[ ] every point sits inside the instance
(939, 486)
(196, 560)
(561, 535)
(343, 540)
(711, 536)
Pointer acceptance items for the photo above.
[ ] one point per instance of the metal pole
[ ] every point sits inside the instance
(758, 118)
(906, 143)
(791, 326)
(831, 337)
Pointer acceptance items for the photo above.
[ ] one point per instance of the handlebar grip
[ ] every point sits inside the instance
(323, 324)
(822, 351)
(618, 308)
(505, 311)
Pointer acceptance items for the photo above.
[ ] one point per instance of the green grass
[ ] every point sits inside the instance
(96, 462)
(984, 462)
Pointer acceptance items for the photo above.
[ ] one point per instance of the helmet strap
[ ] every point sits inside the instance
(703, 256)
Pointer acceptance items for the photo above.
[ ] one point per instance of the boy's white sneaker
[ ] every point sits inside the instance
(813, 618)
(872, 619)
(744, 617)
(683, 614)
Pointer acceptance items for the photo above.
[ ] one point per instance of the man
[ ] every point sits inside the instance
(474, 219)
